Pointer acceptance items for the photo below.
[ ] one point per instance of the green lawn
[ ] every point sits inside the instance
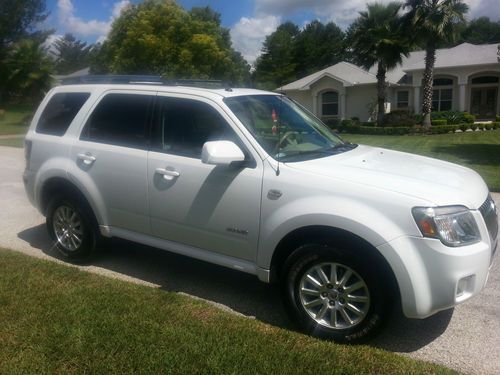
(477, 150)
(12, 142)
(57, 319)
(16, 119)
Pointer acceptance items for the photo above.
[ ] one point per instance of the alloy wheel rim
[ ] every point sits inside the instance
(68, 227)
(334, 295)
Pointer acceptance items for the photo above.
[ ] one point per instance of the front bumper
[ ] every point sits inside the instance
(434, 277)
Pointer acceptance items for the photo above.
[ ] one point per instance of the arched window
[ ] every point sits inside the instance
(330, 103)
(484, 79)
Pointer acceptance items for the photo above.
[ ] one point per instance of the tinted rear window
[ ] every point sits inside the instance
(119, 119)
(60, 112)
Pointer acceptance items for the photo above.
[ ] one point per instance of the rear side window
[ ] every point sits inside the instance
(119, 119)
(60, 112)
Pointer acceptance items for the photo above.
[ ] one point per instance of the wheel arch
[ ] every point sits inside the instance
(332, 236)
(59, 185)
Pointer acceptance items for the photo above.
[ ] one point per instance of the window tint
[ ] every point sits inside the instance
(119, 119)
(60, 112)
(182, 126)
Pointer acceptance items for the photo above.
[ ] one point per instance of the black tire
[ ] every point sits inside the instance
(88, 228)
(376, 310)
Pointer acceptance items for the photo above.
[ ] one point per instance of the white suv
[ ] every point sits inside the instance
(252, 181)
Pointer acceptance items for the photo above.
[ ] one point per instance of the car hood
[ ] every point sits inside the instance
(436, 181)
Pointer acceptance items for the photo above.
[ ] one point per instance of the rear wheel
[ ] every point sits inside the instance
(332, 294)
(70, 224)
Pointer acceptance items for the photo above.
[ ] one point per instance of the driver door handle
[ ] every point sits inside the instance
(167, 174)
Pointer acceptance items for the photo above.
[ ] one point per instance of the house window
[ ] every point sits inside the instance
(330, 103)
(484, 79)
(442, 82)
(442, 94)
(403, 99)
(442, 99)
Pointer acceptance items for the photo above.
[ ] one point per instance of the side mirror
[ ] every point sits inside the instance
(221, 153)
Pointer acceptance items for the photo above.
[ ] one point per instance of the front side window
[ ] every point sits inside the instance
(330, 103)
(119, 119)
(182, 126)
(285, 129)
(60, 112)
(403, 99)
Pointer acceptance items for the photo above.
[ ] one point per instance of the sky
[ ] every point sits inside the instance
(250, 21)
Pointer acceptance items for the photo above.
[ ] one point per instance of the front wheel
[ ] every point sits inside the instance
(333, 294)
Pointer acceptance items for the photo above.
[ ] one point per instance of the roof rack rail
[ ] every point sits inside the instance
(143, 80)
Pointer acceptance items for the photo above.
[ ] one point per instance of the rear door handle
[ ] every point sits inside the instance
(87, 158)
(167, 174)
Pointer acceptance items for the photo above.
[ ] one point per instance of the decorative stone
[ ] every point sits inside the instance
(458, 131)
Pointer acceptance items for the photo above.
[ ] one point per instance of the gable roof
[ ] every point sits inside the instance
(347, 73)
(464, 54)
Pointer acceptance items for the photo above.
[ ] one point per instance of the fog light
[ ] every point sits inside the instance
(465, 287)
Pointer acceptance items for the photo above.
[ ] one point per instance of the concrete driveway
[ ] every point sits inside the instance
(466, 339)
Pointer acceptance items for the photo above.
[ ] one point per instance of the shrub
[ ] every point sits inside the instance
(496, 124)
(452, 117)
(464, 127)
(440, 122)
(443, 129)
(332, 123)
(419, 119)
(498, 118)
(469, 118)
(368, 123)
(399, 117)
(488, 126)
(347, 122)
(355, 120)
(2, 114)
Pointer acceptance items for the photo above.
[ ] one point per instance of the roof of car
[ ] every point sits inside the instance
(158, 83)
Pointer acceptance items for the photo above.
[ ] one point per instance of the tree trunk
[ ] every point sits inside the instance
(380, 94)
(430, 59)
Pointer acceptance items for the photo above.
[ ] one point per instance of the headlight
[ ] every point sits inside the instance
(453, 225)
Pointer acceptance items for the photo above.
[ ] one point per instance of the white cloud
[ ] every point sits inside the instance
(49, 42)
(249, 33)
(71, 23)
(344, 12)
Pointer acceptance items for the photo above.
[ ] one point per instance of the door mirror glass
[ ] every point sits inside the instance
(221, 153)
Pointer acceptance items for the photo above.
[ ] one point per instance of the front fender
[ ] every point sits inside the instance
(354, 216)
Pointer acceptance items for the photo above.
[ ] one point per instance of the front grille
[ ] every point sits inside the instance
(489, 213)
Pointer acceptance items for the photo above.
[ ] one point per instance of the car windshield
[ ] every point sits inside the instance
(285, 129)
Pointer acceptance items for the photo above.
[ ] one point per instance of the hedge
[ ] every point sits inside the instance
(440, 122)
(498, 118)
(403, 130)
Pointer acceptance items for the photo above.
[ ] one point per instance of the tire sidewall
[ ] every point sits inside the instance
(89, 238)
(306, 257)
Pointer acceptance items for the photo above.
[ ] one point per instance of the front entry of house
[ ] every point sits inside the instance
(484, 102)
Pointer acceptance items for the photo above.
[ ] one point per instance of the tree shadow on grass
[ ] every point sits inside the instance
(240, 292)
(474, 153)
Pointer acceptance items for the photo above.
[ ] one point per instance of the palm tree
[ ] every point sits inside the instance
(30, 70)
(433, 22)
(377, 37)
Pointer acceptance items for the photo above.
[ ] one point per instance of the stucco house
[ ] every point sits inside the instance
(466, 78)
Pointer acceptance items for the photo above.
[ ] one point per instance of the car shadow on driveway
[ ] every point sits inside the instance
(241, 292)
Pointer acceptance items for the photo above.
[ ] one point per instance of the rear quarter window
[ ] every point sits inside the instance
(60, 112)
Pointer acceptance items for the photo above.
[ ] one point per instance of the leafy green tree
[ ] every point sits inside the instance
(276, 65)
(317, 47)
(377, 37)
(30, 70)
(71, 54)
(433, 22)
(481, 31)
(159, 37)
(18, 19)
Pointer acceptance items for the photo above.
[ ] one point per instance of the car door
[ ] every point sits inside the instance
(111, 155)
(216, 208)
